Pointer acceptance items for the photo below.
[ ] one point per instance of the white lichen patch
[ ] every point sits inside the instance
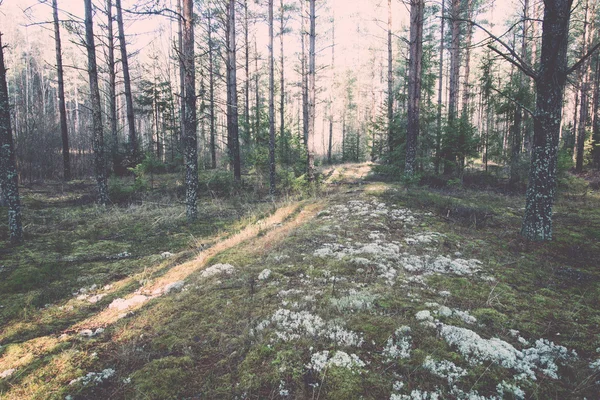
(442, 265)
(264, 274)
(291, 325)
(7, 373)
(476, 350)
(218, 269)
(444, 369)
(417, 395)
(398, 345)
(94, 377)
(355, 301)
(321, 361)
(423, 238)
(90, 332)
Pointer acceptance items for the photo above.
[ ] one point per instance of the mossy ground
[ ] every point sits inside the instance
(219, 338)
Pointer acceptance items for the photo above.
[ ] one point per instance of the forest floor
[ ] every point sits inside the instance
(367, 290)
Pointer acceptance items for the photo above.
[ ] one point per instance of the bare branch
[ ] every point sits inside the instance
(526, 71)
(583, 58)
(514, 59)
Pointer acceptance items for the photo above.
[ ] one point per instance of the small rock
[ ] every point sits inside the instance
(174, 286)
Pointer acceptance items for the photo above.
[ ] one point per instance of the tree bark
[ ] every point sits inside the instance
(584, 91)
(468, 39)
(304, 76)
(552, 75)
(190, 140)
(311, 96)
(282, 135)
(133, 145)
(438, 133)
(271, 104)
(97, 129)
(390, 84)
(9, 178)
(211, 91)
(182, 74)
(64, 134)
(596, 117)
(330, 144)
(454, 60)
(247, 70)
(233, 140)
(417, 8)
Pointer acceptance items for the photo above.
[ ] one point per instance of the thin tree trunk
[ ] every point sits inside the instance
(596, 116)
(211, 90)
(233, 140)
(311, 96)
(438, 133)
(133, 145)
(9, 178)
(468, 39)
(537, 221)
(190, 141)
(583, 110)
(61, 96)
(247, 70)
(414, 84)
(182, 74)
(330, 144)
(454, 61)
(517, 136)
(305, 111)
(257, 94)
(97, 129)
(271, 104)
(282, 135)
(390, 84)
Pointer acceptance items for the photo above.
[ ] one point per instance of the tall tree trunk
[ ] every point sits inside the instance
(311, 95)
(112, 89)
(271, 104)
(211, 91)
(9, 178)
(454, 60)
(190, 141)
(596, 116)
(516, 134)
(182, 74)
(468, 39)
(417, 8)
(304, 76)
(282, 135)
(257, 94)
(390, 84)
(584, 87)
(247, 70)
(552, 75)
(438, 133)
(233, 140)
(133, 145)
(97, 129)
(61, 96)
(330, 144)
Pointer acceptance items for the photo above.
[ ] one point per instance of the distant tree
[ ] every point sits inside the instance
(417, 15)
(312, 94)
(271, 104)
(190, 140)
(9, 179)
(133, 145)
(61, 96)
(97, 128)
(233, 140)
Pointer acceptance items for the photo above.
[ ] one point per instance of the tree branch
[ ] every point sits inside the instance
(515, 60)
(583, 58)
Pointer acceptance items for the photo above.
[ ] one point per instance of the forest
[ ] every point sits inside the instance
(299, 199)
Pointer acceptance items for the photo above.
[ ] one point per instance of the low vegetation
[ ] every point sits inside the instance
(368, 290)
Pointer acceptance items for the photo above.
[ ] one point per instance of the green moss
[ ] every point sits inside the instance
(163, 379)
